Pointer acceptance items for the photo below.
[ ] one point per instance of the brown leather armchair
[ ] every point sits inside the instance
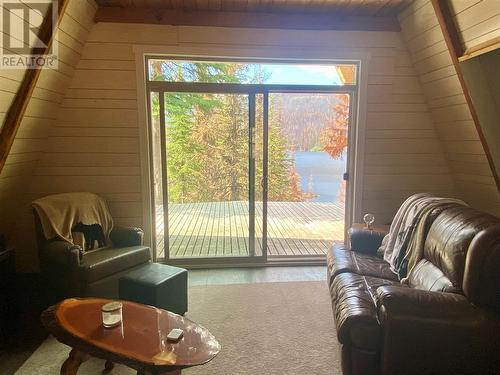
(69, 271)
(446, 320)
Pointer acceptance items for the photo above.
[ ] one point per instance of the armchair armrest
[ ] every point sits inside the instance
(61, 253)
(444, 332)
(126, 236)
(365, 241)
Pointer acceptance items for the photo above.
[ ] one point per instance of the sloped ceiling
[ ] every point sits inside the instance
(30, 142)
(449, 110)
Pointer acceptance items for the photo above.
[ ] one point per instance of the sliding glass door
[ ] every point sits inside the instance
(207, 159)
(223, 143)
(308, 134)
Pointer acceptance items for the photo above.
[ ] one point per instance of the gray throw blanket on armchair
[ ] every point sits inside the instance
(404, 245)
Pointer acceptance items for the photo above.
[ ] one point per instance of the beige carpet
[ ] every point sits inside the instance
(266, 328)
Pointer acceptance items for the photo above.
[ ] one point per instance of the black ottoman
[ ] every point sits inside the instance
(157, 285)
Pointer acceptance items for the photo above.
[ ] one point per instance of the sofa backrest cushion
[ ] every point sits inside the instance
(449, 237)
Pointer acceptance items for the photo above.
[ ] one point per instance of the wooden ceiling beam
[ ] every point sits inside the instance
(22, 98)
(452, 39)
(451, 34)
(324, 21)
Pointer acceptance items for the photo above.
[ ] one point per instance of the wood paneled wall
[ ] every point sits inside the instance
(478, 21)
(82, 133)
(95, 143)
(16, 220)
(449, 111)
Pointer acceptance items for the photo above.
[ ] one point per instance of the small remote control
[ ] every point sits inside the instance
(175, 334)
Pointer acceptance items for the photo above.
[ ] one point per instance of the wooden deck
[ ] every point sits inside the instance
(220, 229)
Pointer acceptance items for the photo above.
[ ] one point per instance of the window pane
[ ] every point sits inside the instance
(307, 159)
(251, 73)
(207, 175)
(158, 217)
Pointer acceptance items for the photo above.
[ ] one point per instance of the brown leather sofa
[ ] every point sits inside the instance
(68, 271)
(445, 321)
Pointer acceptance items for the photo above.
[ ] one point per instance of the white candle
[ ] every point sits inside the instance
(111, 314)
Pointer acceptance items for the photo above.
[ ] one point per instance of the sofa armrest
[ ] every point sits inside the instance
(365, 241)
(444, 332)
(126, 236)
(61, 253)
(416, 304)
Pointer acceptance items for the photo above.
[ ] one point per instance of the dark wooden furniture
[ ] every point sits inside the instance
(157, 285)
(8, 303)
(383, 229)
(140, 342)
(361, 238)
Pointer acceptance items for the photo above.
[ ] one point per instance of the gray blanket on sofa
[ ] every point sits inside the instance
(403, 245)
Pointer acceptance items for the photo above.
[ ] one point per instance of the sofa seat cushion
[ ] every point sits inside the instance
(340, 260)
(101, 263)
(355, 309)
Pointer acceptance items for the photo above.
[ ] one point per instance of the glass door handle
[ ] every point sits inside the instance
(263, 184)
(346, 176)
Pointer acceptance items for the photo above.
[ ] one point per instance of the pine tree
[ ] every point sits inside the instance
(207, 137)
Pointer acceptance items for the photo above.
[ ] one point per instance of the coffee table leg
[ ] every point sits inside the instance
(108, 366)
(75, 359)
(145, 372)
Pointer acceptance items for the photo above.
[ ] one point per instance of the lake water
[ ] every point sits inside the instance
(320, 174)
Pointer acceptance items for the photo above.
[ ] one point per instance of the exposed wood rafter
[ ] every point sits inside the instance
(452, 39)
(246, 19)
(377, 8)
(18, 106)
(481, 48)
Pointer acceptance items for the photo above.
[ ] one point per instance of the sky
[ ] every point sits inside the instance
(310, 74)
(291, 74)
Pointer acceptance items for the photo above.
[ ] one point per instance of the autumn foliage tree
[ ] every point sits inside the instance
(334, 136)
(207, 134)
(207, 138)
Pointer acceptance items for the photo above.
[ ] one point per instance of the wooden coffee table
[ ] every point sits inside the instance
(140, 342)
